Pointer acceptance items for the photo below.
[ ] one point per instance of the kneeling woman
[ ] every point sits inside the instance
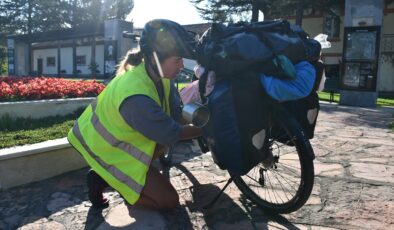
(131, 121)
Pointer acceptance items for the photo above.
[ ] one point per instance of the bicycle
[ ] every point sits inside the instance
(283, 181)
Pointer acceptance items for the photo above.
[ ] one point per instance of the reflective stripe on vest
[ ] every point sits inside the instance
(117, 152)
(119, 175)
(126, 147)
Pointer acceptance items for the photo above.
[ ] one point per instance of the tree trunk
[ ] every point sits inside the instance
(29, 12)
(299, 14)
(255, 12)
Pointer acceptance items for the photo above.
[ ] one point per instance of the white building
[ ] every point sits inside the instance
(75, 52)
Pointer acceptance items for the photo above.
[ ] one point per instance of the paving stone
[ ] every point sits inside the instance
(127, 217)
(313, 200)
(328, 169)
(61, 200)
(370, 171)
(43, 224)
(246, 224)
(353, 188)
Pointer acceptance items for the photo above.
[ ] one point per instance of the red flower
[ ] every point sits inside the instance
(28, 88)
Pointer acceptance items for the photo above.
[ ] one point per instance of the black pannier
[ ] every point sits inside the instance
(306, 110)
(236, 132)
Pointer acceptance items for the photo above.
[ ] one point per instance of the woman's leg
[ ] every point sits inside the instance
(158, 193)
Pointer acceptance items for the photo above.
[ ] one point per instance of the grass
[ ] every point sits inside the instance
(31, 136)
(382, 101)
(21, 131)
(391, 125)
(324, 96)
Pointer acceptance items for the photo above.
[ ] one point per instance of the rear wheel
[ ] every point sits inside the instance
(283, 182)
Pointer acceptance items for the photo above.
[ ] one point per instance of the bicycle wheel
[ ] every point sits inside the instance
(283, 181)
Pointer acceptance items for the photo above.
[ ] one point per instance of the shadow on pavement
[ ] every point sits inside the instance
(29, 203)
(225, 211)
(376, 117)
(94, 218)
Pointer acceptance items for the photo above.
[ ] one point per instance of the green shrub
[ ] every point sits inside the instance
(21, 131)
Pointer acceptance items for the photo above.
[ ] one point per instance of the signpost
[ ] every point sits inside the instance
(363, 20)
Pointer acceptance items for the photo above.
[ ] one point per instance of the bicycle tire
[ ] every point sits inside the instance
(293, 130)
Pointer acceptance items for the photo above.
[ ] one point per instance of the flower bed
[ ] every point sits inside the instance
(37, 88)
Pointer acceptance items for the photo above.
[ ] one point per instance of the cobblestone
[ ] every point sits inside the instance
(353, 188)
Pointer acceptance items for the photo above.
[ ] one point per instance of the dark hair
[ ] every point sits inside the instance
(132, 58)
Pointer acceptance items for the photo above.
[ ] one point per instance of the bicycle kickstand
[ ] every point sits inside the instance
(218, 195)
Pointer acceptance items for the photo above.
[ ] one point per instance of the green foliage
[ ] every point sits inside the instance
(229, 10)
(21, 131)
(382, 101)
(25, 16)
(8, 123)
(325, 96)
(385, 101)
(31, 136)
(93, 67)
(3, 61)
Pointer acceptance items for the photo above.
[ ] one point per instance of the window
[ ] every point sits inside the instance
(81, 60)
(331, 26)
(51, 61)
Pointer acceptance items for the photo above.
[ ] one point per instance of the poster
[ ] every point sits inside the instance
(110, 57)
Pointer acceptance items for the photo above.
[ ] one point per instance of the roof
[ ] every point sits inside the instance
(62, 34)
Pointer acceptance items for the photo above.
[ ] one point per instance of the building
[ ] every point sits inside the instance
(316, 22)
(82, 52)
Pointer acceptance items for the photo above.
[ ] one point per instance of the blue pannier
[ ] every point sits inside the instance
(236, 132)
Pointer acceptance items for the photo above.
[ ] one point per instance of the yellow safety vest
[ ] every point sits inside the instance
(117, 152)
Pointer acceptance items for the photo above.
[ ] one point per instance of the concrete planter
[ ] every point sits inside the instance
(29, 163)
(43, 108)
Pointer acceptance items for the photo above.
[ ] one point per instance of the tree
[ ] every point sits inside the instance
(96, 11)
(29, 16)
(228, 10)
(270, 8)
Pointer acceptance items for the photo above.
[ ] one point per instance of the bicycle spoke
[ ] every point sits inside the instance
(268, 190)
(290, 178)
(287, 180)
(281, 185)
(274, 189)
(285, 185)
(277, 189)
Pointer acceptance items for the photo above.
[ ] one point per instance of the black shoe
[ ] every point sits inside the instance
(96, 186)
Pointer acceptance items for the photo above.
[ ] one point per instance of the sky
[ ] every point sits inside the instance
(181, 11)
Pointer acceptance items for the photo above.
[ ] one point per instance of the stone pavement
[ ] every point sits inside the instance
(354, 188)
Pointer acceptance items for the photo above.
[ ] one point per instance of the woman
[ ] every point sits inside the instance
(129, 124)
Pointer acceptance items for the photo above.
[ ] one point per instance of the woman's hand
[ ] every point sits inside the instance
(190, 132)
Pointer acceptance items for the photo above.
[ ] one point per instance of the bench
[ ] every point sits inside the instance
(332, 85)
